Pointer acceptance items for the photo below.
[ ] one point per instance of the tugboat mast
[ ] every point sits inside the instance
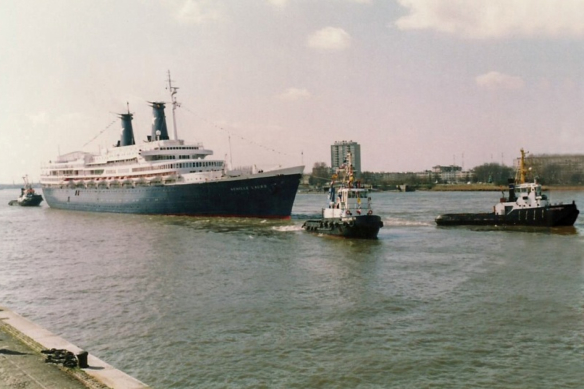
(175, 104)
(522, 171)
(349, 170)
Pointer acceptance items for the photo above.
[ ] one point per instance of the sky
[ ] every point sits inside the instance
(417, 83)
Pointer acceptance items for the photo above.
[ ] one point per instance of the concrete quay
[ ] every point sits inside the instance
(22, 365)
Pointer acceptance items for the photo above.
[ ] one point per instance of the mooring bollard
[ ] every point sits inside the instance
(82, 357)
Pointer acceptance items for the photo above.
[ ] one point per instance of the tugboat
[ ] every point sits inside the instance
(525, 206)
(347, 216)
(28, 197)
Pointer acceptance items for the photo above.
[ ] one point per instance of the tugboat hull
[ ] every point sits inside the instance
(31, 201)
(363, 227)
(559, 215)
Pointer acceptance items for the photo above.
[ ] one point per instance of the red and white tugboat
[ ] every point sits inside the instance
(28, 197)
(525, 206)
(349, 213)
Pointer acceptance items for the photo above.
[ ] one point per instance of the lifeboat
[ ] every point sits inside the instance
(113, 183)
(157, 180)
(127, 182)
(140, 181)
(169, 179)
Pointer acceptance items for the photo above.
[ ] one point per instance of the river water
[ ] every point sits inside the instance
(185, 302)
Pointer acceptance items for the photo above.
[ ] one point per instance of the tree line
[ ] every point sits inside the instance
(488, 173)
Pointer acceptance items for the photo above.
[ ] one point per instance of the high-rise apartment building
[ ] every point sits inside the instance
(339, 154)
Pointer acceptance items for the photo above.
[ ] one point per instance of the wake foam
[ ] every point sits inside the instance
(288, 228)
(393, 221)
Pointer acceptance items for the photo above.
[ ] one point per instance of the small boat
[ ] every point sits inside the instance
(169, 179)
(127, 182)
(28, 197)
(526, 205)
(406, 188)
(349, 213)
(156, 180)
(114, 183)
(140, 181)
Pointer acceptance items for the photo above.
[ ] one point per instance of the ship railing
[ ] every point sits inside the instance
(240, 171)
(64, 165)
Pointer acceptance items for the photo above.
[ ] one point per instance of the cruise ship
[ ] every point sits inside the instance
(165, 176)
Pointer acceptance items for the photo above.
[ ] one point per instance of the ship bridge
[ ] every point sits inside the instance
(173, 150)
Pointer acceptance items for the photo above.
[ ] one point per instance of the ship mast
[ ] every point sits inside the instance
(175, 104)
(522, 168)
(349, 170)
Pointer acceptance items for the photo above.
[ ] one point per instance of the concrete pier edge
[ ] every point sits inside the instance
(99, 374)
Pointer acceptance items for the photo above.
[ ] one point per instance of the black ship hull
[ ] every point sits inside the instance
(560, 215)
(363, 227)
(29, 201)
(264, 196)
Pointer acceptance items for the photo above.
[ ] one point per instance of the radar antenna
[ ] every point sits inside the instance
(175, 104)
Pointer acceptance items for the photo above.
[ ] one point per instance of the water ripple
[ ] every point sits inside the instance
(183, 302)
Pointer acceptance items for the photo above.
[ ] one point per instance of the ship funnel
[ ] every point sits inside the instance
(511, 182)
(159, 131)
(127, 137)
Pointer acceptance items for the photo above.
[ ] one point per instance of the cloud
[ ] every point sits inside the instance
(483, 19)
(495, 81)
(544, 84)
(39, 119)
(198, 11)
(330, 38)
(293, 94)
(278, 3)
(282, 3)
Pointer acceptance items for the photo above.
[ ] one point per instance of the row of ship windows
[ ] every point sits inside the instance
(179, 148)
(93, 205)
(163, 157)
(79, 192)
(197, 164)
(218, 164)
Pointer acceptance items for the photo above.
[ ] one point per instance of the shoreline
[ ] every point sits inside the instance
(492, 188)
(464, 188)
(98, 374)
